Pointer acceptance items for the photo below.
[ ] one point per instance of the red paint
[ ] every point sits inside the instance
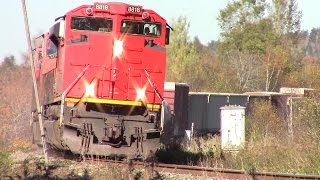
(117, 77)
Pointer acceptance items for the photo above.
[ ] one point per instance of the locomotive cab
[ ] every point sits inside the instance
(101, 80)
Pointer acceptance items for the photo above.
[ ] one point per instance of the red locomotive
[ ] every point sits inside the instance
(101, 71)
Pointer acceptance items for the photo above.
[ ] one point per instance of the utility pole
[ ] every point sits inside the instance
(35, 87)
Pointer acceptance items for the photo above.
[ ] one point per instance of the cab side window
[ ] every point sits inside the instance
(91, 24)
(52, 47)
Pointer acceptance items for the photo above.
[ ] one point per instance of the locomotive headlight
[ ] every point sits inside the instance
(117, 48)
(90, 90)
(141, 94)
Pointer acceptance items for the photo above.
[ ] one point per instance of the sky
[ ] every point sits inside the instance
(201, 15)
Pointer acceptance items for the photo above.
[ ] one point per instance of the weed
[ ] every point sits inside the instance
(4, 158)
(20, 144)
(5, 162)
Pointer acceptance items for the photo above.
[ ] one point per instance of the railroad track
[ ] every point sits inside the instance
(208, 172)
(229, 173)
(205, 172)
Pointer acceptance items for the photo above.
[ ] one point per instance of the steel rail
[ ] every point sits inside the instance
(231, 173)
(219, 173)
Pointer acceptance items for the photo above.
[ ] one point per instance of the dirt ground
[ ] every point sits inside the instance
(31, 165)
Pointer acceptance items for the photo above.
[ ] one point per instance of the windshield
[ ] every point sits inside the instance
(141, 28)
(91, 24)
(52, 47)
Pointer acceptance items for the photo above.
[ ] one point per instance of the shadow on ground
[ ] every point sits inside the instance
(175, 154)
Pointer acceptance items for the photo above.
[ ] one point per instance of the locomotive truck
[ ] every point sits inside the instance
(100, 72)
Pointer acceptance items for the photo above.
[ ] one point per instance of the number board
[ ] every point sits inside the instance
(101, 7)
(134, 9)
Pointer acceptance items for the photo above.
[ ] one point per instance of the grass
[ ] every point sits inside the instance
(267, 155)
(5, 162)
(276, 158)
(4, 158)
(195, 152)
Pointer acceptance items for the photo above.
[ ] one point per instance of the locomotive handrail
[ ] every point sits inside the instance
(162, 116)
(160, 96)
(169, 27)
(95, 65)
(153, 85)
(68, 89)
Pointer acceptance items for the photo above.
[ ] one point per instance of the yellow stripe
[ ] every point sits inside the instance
(112, 101)
(153, 106)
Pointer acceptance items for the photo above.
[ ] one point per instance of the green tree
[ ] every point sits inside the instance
(286, 16)
(240, 12)
(313, 47)
(249, 30)
(182, 55)
(191, 61)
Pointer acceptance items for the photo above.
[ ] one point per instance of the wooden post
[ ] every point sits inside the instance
(191, 134)
(290, 128)
(35, 87)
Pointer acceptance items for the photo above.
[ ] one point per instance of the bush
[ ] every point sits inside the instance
(264, 123)
(5, 161)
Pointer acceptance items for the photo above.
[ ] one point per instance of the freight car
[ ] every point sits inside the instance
(100, 71)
